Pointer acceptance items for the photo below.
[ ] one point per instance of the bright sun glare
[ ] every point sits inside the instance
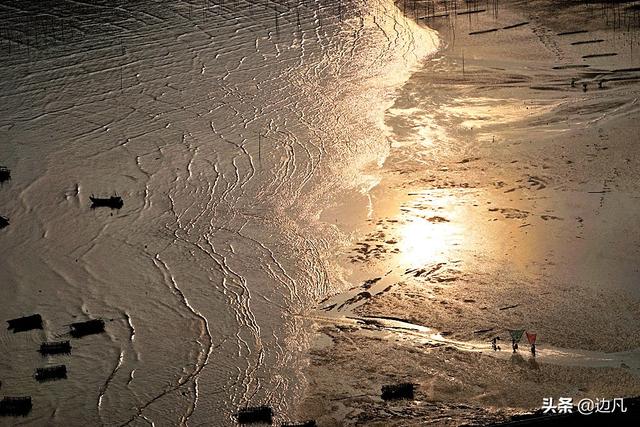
(426, 239)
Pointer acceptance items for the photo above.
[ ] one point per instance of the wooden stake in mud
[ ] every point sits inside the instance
(463, 62)
(122, 53)
(260, 149)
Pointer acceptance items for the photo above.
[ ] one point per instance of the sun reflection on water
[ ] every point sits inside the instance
(429, 236)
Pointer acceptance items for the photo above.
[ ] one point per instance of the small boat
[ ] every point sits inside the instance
(309, 423)
(255, 414)
(15, 406)
(397, 391)
(26, 323)
(113, 202)
(51, 373)
(49, 348)
(5, 174)
(90, 327)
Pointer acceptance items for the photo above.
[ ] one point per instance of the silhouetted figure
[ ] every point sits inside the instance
(494, 344)
(514, 345)
(533, 349)
(584, 87)
(573, 82)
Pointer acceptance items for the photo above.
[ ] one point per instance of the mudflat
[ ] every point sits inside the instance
(509, 201)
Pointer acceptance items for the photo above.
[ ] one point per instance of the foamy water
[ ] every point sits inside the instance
(225, 135)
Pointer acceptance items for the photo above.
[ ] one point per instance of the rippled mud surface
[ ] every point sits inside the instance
(225, 127)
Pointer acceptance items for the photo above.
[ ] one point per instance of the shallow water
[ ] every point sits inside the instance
(226, 136)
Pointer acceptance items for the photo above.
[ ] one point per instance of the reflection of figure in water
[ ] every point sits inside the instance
(514, 345)
(533, 349)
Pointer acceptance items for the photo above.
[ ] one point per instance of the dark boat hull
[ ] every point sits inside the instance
(111, 202)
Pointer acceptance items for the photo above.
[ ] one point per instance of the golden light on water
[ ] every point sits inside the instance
(426, 238)
(480, 112)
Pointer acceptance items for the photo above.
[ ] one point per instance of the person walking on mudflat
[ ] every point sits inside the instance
(516, 334)
(532, 340)
(494, 344)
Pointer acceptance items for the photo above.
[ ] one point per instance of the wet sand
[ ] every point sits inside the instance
(508, 200)
(225, 127)
(503, 197)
